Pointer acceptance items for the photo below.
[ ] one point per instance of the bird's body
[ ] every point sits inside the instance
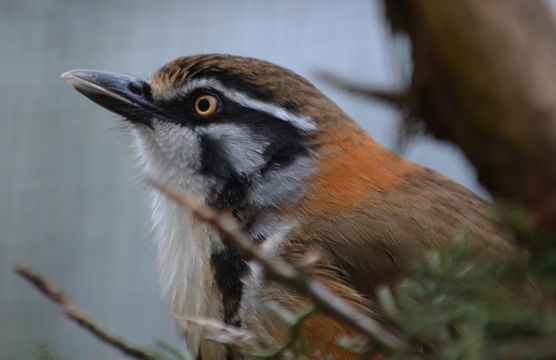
(260, 142)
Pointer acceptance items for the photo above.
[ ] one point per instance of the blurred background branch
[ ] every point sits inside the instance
(483, 79)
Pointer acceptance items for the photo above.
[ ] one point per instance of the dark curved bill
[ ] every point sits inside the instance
(124, 95)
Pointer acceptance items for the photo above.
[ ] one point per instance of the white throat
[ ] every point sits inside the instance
(184, 245)
(184, 249)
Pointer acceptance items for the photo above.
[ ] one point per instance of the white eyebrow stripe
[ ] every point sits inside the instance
(305, 123)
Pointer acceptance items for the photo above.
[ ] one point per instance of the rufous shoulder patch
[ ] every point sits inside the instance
(352, 166)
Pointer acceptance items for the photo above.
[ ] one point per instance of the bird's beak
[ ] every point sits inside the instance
(122, 94)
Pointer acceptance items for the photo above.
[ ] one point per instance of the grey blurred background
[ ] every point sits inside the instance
(71, 200)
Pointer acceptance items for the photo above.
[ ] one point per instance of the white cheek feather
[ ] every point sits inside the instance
(184, 245)
(243, 147)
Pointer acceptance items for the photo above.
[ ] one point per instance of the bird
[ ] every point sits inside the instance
(261, 143)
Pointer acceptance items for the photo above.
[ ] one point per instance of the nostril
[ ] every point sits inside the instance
(136, 89)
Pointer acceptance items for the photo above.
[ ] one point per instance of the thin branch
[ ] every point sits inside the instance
(281, 271)
(395, 98)
(59, 298)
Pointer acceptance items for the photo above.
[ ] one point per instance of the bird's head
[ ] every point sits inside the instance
(244, 134)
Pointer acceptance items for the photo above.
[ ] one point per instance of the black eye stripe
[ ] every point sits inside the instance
(182, 112)
(239, 99)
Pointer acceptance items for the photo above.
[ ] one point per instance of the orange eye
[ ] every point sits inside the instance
(206, 105)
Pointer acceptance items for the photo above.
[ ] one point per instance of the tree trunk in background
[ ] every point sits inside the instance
(484, 78)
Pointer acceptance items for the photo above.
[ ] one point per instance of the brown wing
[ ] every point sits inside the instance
(372, 243)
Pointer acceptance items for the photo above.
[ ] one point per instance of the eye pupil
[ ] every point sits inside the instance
(203, 105)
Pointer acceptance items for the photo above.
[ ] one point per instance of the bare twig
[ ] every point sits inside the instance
(396, 98)
(58, 297)
(281, 271)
